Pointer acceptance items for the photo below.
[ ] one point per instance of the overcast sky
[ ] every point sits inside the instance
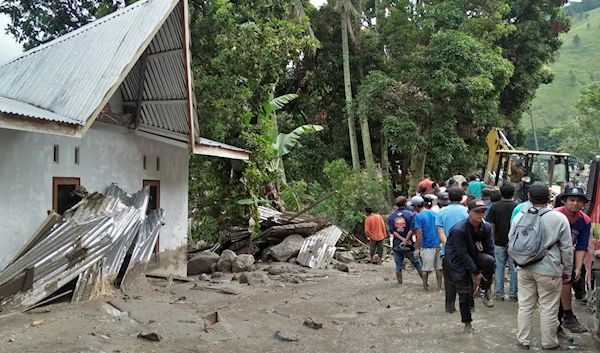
(9, 48)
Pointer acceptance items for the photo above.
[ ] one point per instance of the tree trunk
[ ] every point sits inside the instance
(385, 166)
(366, 141)
(417, 166)
(348, 91)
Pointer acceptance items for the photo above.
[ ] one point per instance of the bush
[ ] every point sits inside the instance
(356, 189)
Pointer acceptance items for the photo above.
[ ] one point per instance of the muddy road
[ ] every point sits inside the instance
(364, 310)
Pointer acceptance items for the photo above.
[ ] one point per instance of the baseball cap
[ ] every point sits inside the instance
(456, 194)
(476, 205)
(539, 192)
(443, 198)
(574, 191)
(416, 201)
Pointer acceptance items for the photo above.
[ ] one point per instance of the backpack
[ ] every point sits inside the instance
(526, 243)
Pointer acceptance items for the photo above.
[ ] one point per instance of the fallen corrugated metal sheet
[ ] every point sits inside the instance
(318, 249)
(268, 214)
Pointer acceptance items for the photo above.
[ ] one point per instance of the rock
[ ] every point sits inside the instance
(266, 254)
(204, 277)
(218, 275)
(293, 260)
(150, 336)
(202, 262)
(342, 267)
(288, 248)
(213, 268)
(201, 244)
(277, 270)
(344, 256)
(226, 260)
(242, 263)
(253, 278)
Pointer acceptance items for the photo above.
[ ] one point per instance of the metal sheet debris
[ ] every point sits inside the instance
(318, 249)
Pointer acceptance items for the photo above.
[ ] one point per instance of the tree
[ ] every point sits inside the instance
(576, 40)
(580, 135)
(35, 22)
(349, 10)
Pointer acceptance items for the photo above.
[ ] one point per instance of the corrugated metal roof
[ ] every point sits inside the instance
(318, 249)
(68, 78)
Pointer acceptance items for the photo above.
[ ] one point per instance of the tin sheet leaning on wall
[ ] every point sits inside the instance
(318, 249)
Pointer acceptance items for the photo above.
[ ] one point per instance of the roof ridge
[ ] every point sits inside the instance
(78, 31)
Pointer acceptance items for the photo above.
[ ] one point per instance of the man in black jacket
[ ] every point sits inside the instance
(470, 253)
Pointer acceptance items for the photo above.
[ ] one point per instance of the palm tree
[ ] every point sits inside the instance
(349, 10)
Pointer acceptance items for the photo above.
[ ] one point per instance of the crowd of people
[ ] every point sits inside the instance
(469, 234)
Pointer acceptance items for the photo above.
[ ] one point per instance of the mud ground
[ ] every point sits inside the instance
(364, 310)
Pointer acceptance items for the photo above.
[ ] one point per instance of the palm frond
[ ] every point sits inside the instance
(279, 102)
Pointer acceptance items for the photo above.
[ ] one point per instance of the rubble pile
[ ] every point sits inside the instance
(285, 237)
(88, 243)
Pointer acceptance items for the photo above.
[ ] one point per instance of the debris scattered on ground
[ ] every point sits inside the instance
(280, 337)
(38, 323)
(310, 323)
(253, 278)
(342, 267)
(150, 336)
(318, 249)
(210, 320)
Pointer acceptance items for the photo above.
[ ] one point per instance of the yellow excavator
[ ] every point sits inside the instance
(523, 168)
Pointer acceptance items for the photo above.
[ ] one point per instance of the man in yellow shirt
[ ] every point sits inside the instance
(376, 231)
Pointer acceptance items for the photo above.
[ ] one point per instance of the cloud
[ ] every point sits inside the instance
(9, 48)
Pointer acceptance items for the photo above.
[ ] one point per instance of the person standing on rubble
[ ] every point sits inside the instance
(402, 227)
(427, 246)
(376, 233)
(446, 218)
(470, 265)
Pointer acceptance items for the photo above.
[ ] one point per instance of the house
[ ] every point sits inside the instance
(111, 102)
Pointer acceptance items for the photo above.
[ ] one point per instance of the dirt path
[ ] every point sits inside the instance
(362, 311)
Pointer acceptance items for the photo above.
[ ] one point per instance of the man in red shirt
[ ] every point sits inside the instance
(376, 231)
(426, 182)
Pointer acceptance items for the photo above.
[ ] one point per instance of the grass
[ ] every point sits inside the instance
(553, 103)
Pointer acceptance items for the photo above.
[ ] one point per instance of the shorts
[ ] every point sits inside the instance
(376, 246)
(432, 259)
(399, 259)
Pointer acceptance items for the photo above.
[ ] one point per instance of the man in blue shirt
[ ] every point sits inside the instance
(446, 218)
(470, 253)
(402, 227)
(428, 243)
(475, 187)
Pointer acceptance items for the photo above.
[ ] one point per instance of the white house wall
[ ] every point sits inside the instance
(27, 169)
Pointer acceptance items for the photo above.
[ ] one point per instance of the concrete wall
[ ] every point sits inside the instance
(27, 169)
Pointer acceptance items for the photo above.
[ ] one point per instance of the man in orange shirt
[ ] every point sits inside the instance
(376, 231)
(426, 182)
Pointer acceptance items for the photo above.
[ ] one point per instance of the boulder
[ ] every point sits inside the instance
(341, 267)
(253, 278)
(293, 260)
(225, 261)
(266, 254)
(242, 263)
(218, 275)
(288, 248)
(213, 268)
(201, 263)
(344, 256)
(204, 277)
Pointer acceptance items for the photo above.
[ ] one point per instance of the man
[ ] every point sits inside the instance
(471, 266)
(464, 185)
(499, 219)
(574, 200)
(442, 200)
(428, 244)
(421, 191)
(475, 187)
(443, 187)
(495, 196)
(446, 218)
(485, 196)
(540, 283)
(402, 225)
(376, 232)
(427, 183)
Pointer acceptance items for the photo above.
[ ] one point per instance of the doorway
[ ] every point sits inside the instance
(154, 202)
(62, 193)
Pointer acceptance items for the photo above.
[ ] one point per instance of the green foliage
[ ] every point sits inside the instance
(579, 7)
(285, 142)
(581, 134)
(36, 22)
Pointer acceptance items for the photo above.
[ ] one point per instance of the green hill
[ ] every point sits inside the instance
(575, 66)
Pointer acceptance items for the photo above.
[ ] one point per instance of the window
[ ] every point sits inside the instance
(76, 155)
(144, 163)
(56, 154)
(62, 193)
(154, 202)
(157, 163)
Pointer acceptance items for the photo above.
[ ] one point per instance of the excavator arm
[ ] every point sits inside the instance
(496, 140)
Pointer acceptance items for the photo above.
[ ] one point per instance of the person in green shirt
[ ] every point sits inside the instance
(475, 187)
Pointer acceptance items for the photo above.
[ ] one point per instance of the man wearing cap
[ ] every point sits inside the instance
(540, 283)
(446, 218)
(402, 226)
(499, 219)
(376, 231)
(574, 199)
(428, 244)
(470, 265)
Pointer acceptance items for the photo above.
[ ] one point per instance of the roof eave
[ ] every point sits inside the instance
(223, 151)
(24, 123)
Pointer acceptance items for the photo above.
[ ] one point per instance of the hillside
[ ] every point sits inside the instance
(553, 103)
